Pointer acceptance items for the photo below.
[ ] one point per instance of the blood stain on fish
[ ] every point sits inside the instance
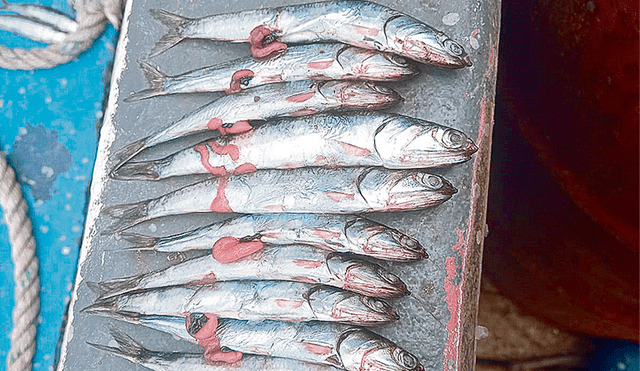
(303, 112)
(308, 263)
(323, 65)
(290, 304)
(220, 204)
(355, 150)
(317, 348)
(366, 31)
(237, 127)
(304, 279)
(339, 196)
(299, 98)
(206, 280)
(245, 168)
(322, 233)
(230, 249)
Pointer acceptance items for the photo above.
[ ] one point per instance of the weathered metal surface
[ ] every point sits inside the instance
(438, 320)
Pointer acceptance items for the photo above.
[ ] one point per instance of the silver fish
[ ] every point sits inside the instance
(332, 232)
(335, 344)
(254, 300)
(301, 263)
(307, 190)
(387, 140)
(129, 349)
(304, 62)
(43, 14)
(231, 114)
(31, 29)
(358, 23)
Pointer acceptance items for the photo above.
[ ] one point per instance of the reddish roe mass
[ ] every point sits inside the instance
(220, 204)
(230, 249)
(206, 336)
(238, 127)
(256, 39)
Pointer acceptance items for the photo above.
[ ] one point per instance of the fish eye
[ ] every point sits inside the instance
(453, 138)
(453, 47)
(244, 81)
(389, 277)
(396, 60)
(432, 181)
(405, 359)
(375, 304)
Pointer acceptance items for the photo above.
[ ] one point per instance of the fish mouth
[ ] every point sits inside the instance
(467, 61)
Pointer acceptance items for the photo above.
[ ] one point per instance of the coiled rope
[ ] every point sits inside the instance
(25, 271)
(91, 16)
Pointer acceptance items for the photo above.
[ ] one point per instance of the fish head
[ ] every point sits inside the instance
(404, 142)
(386, 190)
(372, 65)
(413, 39)
(354, 95)
(336, 305)
(379, 241)
(361, 349)
(364, 277)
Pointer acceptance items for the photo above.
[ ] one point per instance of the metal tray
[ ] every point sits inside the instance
(438, 320)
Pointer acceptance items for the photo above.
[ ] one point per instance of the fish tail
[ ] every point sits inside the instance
(126, 153)
(144, 170)
(141, 241)
(127, 215)
(155, 78)
(103, 306)
(127, 347)
(114, 287)
(173, 36)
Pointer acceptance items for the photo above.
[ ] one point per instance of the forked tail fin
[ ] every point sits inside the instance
(128, 152)
(127, 347)
(144, 170)
(114, 287)
(155, 79)
(140, 241)
(127, 215)
(173, 36)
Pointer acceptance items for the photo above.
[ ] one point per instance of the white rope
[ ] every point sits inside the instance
(25, 271)
(92, 15)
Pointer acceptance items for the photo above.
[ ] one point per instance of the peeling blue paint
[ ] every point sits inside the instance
(48, 121)
(38, 157)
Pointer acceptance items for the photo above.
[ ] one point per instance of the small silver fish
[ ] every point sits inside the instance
(358, 23)
(304, 62)
(129, 349)
(387, 140)
(43, 14)
(332, 232)
(301, 263)
(231, 114)
(31, 29)
(350, 348)
(255, 301)
(306, 190)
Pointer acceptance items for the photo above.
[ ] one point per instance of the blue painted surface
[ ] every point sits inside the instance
(49, 122)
